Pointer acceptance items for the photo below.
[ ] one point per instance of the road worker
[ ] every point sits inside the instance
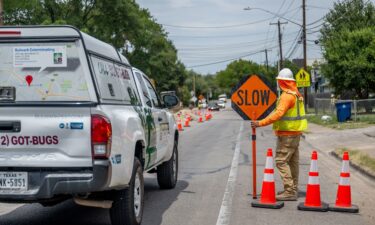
(288, 121)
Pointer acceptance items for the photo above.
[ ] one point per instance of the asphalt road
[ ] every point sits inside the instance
(209, 154)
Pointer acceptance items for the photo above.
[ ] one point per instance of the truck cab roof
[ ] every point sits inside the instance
(52, 32)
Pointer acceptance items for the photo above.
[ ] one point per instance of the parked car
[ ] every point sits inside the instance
(221, 104)
(76, 122)
(213, 106)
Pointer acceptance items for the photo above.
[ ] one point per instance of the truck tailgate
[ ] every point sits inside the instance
(45, 137)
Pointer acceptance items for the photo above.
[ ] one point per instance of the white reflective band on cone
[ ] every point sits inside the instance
(314, 166)
(269, 163)
(345, 166)
(344, 181)
(268, 177)
(313, 180)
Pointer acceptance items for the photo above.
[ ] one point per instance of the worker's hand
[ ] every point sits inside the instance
(255, 124)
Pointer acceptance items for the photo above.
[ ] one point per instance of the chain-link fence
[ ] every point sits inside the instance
(324, 106)
(361, 107)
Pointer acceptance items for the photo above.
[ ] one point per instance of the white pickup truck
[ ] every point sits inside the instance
(77, 121)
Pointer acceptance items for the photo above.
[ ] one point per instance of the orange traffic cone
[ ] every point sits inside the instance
(207, 116)
(200, 120)
(187, 121)
(268, 196)
(344, 199)
(312, 201)
(179, 125)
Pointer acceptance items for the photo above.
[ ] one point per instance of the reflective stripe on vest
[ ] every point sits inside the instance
(294, 119)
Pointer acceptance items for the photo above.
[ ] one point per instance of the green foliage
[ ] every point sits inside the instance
(134, 32)
(236, 70)
(348, 39)
(292, 66)
(121, 23)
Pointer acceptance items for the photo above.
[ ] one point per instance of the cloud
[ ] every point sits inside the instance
(180, 3)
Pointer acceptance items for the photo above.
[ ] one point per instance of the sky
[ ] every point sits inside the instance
(210, 34)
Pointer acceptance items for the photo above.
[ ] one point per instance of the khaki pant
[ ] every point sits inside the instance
(287, 157)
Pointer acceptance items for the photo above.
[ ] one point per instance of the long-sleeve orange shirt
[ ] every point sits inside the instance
(286, 102)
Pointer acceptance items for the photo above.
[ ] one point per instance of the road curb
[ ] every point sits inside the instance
(355, 166)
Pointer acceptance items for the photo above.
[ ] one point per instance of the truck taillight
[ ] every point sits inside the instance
(101, 135)
(10, 32)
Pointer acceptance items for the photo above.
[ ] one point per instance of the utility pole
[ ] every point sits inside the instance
(266, 52)
(280, 41)
(1, 13)
(194, 84)
(304, 43)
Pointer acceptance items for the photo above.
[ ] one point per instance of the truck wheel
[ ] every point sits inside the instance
(127, 208)
(168, 171)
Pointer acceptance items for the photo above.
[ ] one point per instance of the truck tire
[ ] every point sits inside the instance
(168, 171)
(127, 207)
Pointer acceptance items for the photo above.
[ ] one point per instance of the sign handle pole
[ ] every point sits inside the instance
(254, 146)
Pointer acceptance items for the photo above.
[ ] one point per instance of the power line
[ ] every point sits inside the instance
(316, 7)
(316, 21)
(275, 17)
(235, 58)
(294, 46)
(313, 32)
(216, 27)
(236, 44)
(221, 36)
(222, 61)
(340, 17)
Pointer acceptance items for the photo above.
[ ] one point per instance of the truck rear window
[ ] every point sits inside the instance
(43, 71)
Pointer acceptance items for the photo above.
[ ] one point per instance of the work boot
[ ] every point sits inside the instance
(280, 192)
(286, 196)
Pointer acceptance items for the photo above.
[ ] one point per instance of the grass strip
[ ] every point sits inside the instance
(360, 159)
(363, 121)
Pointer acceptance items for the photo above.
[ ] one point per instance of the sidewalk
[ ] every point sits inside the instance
(327, 140)
(360, 143)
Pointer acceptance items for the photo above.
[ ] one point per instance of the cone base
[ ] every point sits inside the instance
(276, 205)
(352, 209)
(322, 208)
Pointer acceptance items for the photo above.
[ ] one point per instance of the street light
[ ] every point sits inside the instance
(303, 26)
(272, 13)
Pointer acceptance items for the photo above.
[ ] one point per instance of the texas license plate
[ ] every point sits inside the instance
(13, 181)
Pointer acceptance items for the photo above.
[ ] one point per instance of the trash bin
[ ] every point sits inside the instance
(344, 111)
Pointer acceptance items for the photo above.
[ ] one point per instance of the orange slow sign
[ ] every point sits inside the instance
(253, 98)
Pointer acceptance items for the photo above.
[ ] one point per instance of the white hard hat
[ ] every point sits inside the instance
(285, 74)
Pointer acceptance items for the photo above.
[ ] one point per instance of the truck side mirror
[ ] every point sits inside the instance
(170, 101)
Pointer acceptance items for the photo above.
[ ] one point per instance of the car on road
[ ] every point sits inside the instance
(77, 121)
(213, 106)
(221, 104)
(223, 97)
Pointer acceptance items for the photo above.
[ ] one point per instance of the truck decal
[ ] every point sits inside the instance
(7, 140)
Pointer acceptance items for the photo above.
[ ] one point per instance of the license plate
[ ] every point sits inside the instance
(13, 181)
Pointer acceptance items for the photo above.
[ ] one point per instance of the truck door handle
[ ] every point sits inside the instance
(10, 126)
(160, 119)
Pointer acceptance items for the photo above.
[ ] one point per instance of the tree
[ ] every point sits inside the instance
(348, 40)
(122, 23)
(236, 70)
(292, 66)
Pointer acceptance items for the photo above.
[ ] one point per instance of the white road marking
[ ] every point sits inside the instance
(226, 205)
